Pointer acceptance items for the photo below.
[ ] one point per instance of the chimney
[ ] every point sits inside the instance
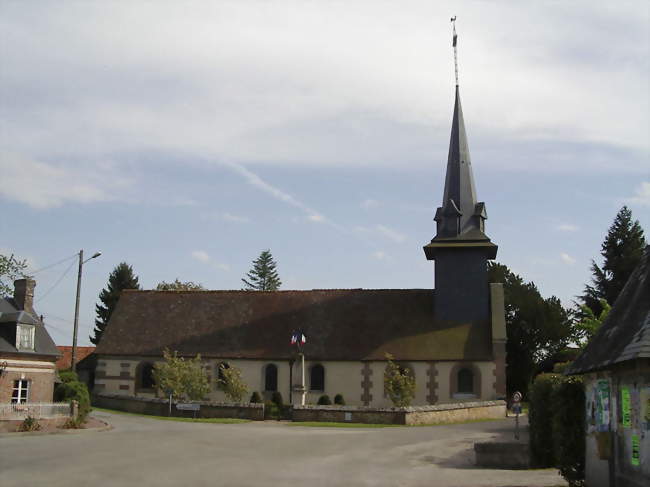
(24, 294)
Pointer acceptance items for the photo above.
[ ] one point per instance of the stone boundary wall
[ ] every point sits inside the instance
(437, 414)
(160, 407)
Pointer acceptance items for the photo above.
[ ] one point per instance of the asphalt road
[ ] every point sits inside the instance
(146, 452)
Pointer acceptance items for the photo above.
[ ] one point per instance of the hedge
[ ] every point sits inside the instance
(557, 425)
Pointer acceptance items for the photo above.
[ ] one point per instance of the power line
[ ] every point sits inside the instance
(56, 283)
(52, 265)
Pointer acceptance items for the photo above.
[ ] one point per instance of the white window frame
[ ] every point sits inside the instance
(25, 331)
(20, 385)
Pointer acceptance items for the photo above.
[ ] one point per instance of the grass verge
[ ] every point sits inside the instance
(326, 424)
(183, 420)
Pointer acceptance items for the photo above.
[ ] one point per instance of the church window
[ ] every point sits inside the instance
(317, 378)
(465, 381)
(271, 378)
(146, 376)
(221, 366)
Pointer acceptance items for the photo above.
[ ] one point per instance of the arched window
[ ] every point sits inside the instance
(221, 366)
(271, 378)
(145, 375)
(465, 381)
(317, 378)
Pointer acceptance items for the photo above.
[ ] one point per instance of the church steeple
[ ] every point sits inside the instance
(460, 218)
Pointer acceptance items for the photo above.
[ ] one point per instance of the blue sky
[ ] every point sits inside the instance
(184, 138)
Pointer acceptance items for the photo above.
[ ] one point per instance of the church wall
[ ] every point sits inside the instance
(360, 383)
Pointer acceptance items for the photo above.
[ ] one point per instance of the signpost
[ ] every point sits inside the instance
(516, 408)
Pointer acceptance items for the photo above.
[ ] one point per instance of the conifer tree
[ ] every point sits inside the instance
(621, 251)
(121, 278)
(263, 276)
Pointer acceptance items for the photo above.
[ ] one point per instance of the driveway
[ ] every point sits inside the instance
(146, 452)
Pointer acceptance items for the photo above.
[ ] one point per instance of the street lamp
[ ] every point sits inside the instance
(76, 307)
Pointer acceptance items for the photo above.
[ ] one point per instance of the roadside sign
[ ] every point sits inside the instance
(188, 406)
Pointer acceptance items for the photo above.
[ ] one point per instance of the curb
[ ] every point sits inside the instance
(106, 427)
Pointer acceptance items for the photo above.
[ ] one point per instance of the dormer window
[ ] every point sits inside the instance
(25, 337)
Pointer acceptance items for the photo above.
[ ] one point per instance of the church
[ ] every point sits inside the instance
(451, 338)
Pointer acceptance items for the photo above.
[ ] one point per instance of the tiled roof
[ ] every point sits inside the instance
(65, 361)
(625, 333)
(9, 316)
(339, 324)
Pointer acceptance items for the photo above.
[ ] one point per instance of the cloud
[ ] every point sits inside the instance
(226, 216)
(566, 258)
(204, 257)
(642, 195)
(369, 204)
(46, 185)
(316, 218)
(390, 233)
(379, 255)
(567, 227)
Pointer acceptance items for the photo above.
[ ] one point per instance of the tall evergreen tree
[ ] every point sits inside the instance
(536, 327)
(121, 278)
(263, 276)
(621, 251)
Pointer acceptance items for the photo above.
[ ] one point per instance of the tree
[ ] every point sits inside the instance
(231, 383)
(621, 251)
(10, 270)
(589, 323)
(537, 328)
(399, 383)
(121, 278)
(178, 285)
(184, 379)
(263, 276)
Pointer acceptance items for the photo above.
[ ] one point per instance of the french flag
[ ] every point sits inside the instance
(297, 337)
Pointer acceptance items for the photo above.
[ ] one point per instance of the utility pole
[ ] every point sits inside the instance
(76, 307)
(76, 312)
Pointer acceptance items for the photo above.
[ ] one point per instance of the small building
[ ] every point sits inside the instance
(616, 368)
(451, 339)
(27, 352)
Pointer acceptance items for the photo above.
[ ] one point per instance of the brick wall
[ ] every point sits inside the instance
(40, 374)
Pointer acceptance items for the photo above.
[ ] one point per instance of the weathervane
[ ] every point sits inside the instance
(453, 24)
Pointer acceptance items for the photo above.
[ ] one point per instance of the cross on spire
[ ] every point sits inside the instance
(454, 42)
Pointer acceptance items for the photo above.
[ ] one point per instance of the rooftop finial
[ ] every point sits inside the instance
(453, 23)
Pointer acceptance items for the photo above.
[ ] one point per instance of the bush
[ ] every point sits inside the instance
(74, 391)
(68, 376)
(324, 400)
(255, 398)
(569, 429)
(29, 424)
(338, 400)
(399, 383)
(540, 418)
(560, 367)
(276, 398)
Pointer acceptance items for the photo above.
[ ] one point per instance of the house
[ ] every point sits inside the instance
(616, 368)
(27, 352)
(451, 339)
(86, 363)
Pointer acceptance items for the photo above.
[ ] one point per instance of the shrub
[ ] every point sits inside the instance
(324, 400)
(74, 391)
(29, 424)
(73, 424)
(540, 419)
(399, 383)
(560, 367)
(255, 398)
(569, 429)
(68, 376)
(231, 383)
(338, 400)
(276, 398)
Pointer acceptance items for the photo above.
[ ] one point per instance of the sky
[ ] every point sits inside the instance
(186, 137)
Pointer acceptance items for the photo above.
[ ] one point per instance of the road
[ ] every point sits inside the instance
(146, 452)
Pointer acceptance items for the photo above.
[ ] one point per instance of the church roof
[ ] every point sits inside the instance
(353, 324)
(625, 333)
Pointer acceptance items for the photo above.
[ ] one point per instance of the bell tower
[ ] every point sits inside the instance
(460, 247)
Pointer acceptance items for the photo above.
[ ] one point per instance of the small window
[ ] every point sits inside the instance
(271, 378)
(465, 381)
(317, 378)
(20, 394)
(25, 337)
(146, 376)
